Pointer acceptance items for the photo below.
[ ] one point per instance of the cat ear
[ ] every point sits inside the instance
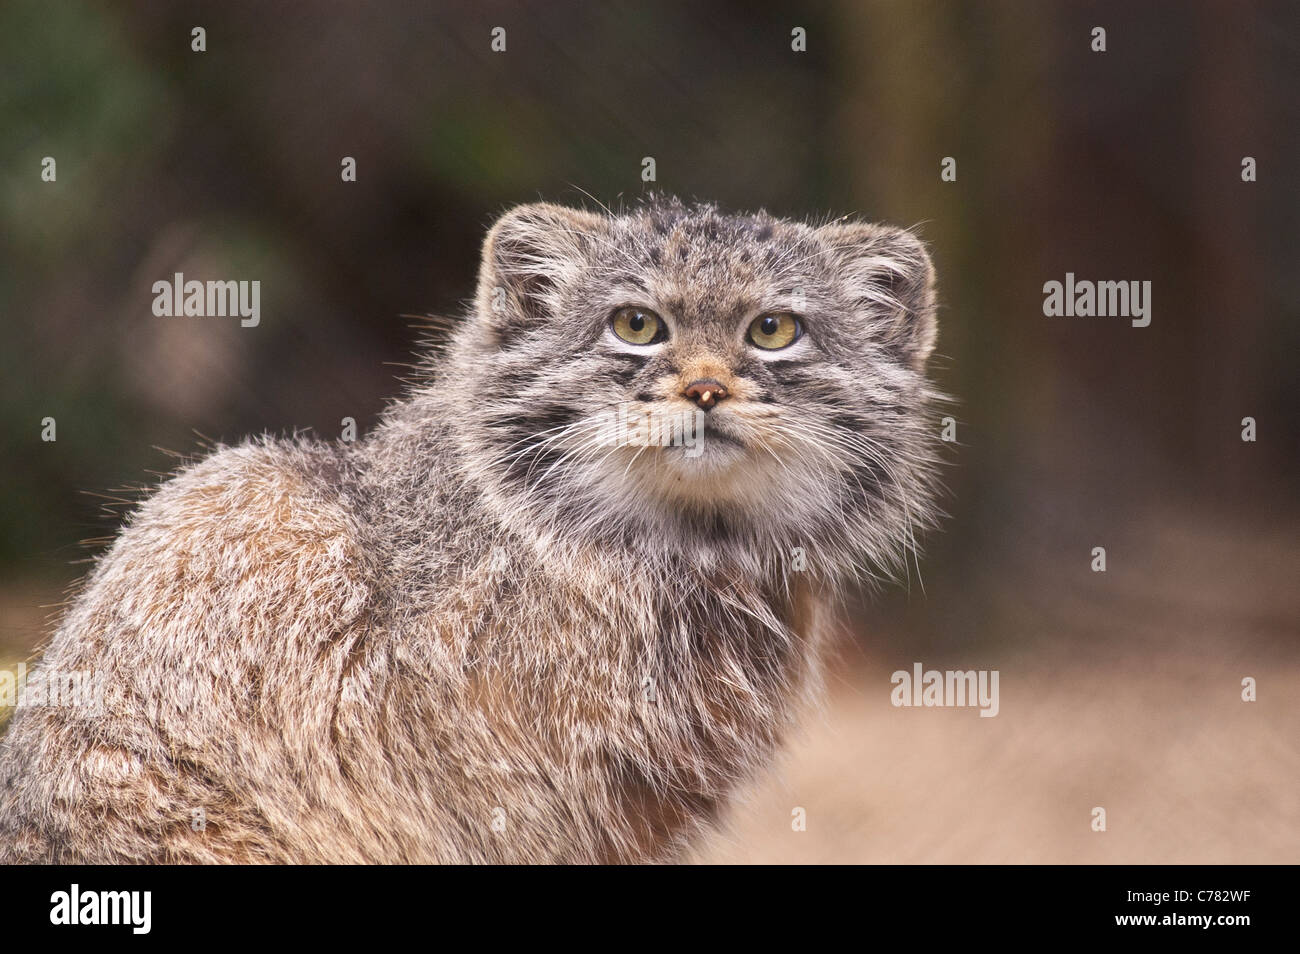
(527, 256)
(890, 274)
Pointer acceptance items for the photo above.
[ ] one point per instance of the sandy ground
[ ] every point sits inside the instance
(1185, 770)
(1120, 690)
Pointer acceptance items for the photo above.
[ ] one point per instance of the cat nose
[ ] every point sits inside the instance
(705, 392)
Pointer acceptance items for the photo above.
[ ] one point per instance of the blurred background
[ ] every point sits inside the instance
(1119, 689)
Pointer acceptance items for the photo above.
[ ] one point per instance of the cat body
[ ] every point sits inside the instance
(490, 631)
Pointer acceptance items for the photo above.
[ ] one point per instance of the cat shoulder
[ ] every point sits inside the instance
(251, 534)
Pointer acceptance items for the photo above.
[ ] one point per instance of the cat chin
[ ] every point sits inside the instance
(715, 473)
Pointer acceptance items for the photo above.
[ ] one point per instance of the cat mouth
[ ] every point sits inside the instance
(715, 446)
(715, 433)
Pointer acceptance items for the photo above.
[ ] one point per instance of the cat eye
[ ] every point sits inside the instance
(775, 331)
(638, 326)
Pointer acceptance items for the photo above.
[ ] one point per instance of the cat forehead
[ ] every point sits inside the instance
(698, 250)
(677, 232)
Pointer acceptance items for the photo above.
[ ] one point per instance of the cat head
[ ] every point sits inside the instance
(707, 383)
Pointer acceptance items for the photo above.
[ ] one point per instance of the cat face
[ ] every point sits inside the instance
(705, 376)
